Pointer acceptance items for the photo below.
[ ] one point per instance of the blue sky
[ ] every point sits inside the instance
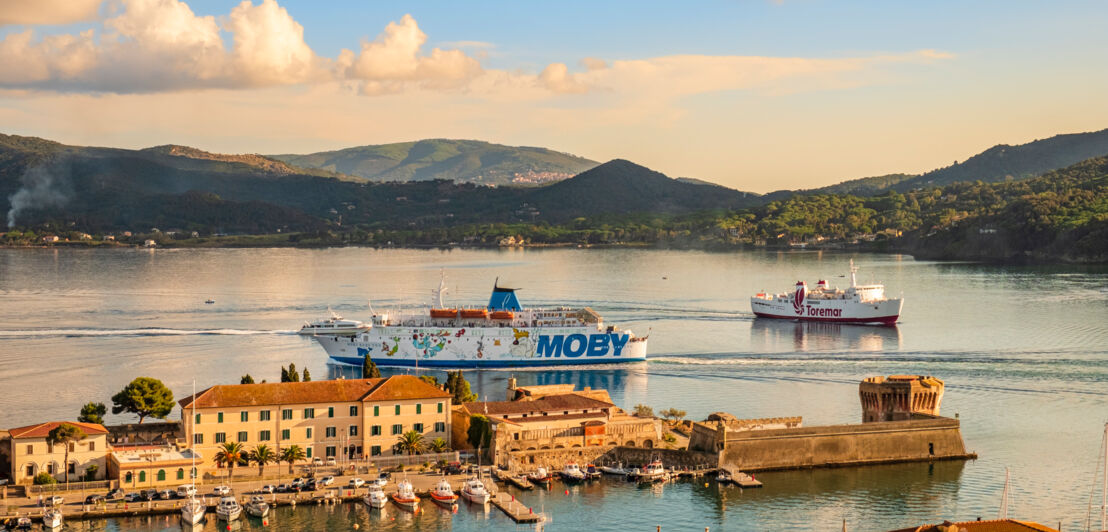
(758, 95)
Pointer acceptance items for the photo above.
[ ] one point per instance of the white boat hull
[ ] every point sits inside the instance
(462, 347)
(885, 311)
(193, 515)
(228, 515)
(476, 498)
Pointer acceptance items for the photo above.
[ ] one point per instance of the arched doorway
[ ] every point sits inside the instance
(648, 444)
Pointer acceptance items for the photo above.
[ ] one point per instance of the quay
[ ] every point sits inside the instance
(516, 510)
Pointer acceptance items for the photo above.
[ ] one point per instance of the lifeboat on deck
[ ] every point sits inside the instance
(503, 315)
(475, 313)
(444, 313)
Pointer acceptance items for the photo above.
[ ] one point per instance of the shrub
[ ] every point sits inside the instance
(44, 478)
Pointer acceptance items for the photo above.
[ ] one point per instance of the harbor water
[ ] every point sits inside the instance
(1023, 351)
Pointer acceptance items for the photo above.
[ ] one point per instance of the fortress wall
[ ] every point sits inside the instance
(840, 445)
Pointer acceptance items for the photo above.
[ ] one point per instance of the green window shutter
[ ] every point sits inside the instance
(219, 417)
(419, 408)
(398, 410)
(440, 408)
(376, 411)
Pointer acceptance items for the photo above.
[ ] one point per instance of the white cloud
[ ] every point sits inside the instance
(47, 11)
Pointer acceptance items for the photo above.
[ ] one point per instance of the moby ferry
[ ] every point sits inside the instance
(500, 334)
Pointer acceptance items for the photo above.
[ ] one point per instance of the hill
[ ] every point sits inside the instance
(466, 161)
(999, 163)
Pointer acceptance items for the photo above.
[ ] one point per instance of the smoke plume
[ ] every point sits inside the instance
(43, 185)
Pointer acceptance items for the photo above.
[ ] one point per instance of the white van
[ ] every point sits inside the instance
(187, 490)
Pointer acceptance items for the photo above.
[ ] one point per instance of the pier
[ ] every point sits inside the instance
(516, 510)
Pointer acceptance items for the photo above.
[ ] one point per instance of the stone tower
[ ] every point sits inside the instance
(898, 397)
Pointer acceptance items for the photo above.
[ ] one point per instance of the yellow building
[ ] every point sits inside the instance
(341, 419)
(145, 466)
(29, 454)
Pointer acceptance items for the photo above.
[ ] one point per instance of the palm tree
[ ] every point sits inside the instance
(293, 454)
(230, 454)
(411, 442)
(64, 434)
(439, 445)
(262, 455)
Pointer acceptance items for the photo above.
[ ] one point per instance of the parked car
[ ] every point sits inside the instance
(149, 494)
(282, 488)
(166, 495)
(53, 500)
(116, 493)
(454, 468)
(327, 480)
(331, 461)
(94, 498)
(268, 488)
(134, 496)
(186, 490)
(357, 482)
(222, 490)
(309, 486)
(317, 461)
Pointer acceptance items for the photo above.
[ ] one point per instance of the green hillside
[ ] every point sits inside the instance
(467, 161)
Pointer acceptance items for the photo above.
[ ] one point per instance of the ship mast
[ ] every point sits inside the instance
(1004, 496)
(1104, 485)
(853, 274)
(440, 291)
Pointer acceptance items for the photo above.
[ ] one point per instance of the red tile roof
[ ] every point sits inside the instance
(42, 430)
(547, 403)
(995, 525)
(397, 387)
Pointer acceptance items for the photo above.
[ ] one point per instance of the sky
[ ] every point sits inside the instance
(758, 95)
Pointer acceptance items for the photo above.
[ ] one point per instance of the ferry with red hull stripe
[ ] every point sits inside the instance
(863, 304)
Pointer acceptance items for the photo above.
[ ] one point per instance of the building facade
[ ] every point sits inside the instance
(344, 419)
(28, 452)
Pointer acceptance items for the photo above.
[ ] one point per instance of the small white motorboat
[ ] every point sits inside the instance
(193, 511)
(539, 475)
(618, 470)
(257, 507)
(653, 472)
(405, 496)
(52, 519)
(228, 509)
(474, 491)
(376, 497)
(443, 494)
(572, 473)
(23, 523)
(333, 326)
(723, 477)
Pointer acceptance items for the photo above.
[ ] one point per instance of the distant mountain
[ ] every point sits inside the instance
(621, 187)
(463, 161)
(999, 163)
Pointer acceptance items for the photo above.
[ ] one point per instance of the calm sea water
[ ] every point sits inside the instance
(1022, 350)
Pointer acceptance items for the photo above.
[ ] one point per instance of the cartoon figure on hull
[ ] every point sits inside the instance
(500, 334)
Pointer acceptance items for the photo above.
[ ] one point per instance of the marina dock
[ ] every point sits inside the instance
(515, 509)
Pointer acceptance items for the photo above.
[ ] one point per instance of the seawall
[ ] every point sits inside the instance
(844, 445)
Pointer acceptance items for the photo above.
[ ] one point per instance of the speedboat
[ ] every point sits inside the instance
(592, 472)
(539, 475)
(333, 326)
(376, 497)
(23, 523)
(228, 509)
(618, 470)
(193, 511)
(723, 477)
(257, 506)
(572, 473)
(405, 496)
(443, 495)
(52, 518)
(474, 491)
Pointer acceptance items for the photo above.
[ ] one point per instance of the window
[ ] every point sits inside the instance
(309, 452)
(376, 411)
(309, 433)
(198, 439)
(161, 475)
(440, 408)
(197, 421)
(180, 474)
(285, 434)
(72, 446)
(263, 435)
(309, 413)
(242, 436)
(73, 467)
(375, 430)
(50, 468)
(397, 429)
(142, 476)
(330, 411)
(220, 437)
(418, 427)
(375, 450)
(398, 410)
(92, 446)
(353, 411)
(31, 471)
(263, 415)
(30, 449)
(329, 432)
(330, 451)
(440, 426)
(419, 408)
(353, 430)
(129, 477)
(286, 413)
(219, 417)
(244, 416)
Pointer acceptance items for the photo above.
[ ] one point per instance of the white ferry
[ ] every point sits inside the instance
(501, 334)
(856, 304)
(334, 325)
